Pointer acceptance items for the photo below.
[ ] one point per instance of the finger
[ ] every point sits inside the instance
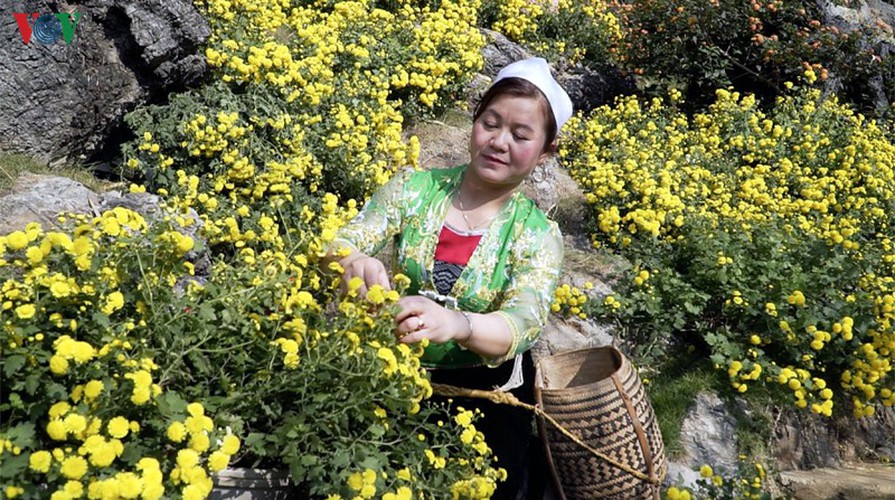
(408, 309)
(371, 275)
(383, 280)
(412, 337)
(407, 326)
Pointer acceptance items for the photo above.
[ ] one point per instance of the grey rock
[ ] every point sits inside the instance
(555, 192)
(500, 51)
(151, 207)
(590, 88)
(144, 203)
(853, 15)
(681, 475)
(562, 335)
(541, 186)
(252, 484)
(876, 19)
(708, 435)
(41, 198)
(807, 441)
(64, 102)
(853, 481)
(872, 438)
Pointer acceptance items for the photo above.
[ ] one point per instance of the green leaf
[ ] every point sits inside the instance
(21, 435)
(12, 363)
(171, 403)
(15, 401)
(206, 313)
(57, 392)
(340, 460)
(32, 383)
(200, 362)
(101, 320)
(371, 462)
(255, 439)
(14, 465)
(692, 308)
(132, 454)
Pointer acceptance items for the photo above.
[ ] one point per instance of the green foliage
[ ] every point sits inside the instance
(298, 404)
(104, 353)
(754, 46)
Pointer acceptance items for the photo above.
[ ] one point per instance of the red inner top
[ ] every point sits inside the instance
(455, 248)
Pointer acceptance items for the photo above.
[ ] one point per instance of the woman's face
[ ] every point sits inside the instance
(507, 140)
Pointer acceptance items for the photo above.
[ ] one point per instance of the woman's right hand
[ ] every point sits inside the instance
(369, 269)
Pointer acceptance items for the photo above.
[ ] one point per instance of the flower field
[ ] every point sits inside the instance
(760, 236)
(767, 238)
(128, 376)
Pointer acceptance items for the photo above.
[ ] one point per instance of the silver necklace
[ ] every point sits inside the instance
(469, 225)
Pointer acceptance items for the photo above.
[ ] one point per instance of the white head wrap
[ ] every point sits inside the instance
(536, 71)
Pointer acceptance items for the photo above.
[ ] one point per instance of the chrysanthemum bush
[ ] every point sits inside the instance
(746, 482)
(568, 300)
(586, 31)
(115, 359)
(84, 412)
(322, 390)
(765, 238)
(306, 102)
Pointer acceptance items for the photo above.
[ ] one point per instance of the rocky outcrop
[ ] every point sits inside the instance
(500, 51)
(708, 437)
(40, 198)
(816, 458)
(807, 441)
(876, 19)
(852, 481)
(65, 92)
(877, 14)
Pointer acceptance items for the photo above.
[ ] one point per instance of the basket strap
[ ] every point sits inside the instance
(638, 427)
(545, 439)
(507, 398)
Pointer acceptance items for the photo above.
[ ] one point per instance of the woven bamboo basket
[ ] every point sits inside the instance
(604, 441)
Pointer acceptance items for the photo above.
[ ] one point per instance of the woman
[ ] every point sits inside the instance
(482, 258)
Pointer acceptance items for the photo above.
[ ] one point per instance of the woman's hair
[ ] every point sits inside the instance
(519, 87)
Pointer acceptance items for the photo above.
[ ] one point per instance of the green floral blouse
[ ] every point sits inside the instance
(513, 271)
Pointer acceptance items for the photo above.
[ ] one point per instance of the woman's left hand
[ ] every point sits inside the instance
(422, 318)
